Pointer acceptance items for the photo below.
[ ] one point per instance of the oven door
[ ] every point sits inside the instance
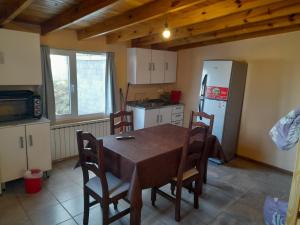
(15, 105)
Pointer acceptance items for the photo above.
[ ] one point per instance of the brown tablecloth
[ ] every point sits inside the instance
(149, 160)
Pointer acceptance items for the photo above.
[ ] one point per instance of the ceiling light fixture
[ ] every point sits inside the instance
(166, 32)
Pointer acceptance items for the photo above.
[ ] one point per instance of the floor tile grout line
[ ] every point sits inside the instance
(25, 211)
(60, 203)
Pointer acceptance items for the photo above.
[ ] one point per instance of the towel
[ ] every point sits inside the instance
(285, 133)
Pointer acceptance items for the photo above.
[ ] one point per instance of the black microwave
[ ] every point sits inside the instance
(18, 105)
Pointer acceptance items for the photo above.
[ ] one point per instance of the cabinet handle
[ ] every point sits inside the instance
(30, 140)
(149, 66)
(160, 118)
(157, 118)
(153, 66)
(167, 66)
(21, 142)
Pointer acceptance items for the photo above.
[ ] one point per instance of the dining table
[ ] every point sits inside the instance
(149, 160)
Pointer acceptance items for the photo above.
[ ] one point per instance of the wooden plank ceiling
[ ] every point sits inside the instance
(192, 22)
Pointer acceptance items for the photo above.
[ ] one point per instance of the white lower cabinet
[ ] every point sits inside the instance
(151, 118)
(165, 115)
(24, 147)
(144, 118)
(38, 146)
(154, 117)
(13, 153)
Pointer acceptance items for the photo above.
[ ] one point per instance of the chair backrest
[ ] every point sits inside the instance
(91, 158)
(195, 149)
(122, 121)
(195, 123)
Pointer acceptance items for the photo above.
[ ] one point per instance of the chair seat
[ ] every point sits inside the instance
(187, 174)
(115, 185)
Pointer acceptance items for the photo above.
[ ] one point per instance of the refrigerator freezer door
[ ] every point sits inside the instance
(218, 73)
(217, 108)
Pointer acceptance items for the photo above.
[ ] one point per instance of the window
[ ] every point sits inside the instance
(61, 78)
(79, 83)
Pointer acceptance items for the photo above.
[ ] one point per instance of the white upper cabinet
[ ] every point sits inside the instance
(157, 71)
(170, 66)
(139, 65)
(146, 66)
(20, 59)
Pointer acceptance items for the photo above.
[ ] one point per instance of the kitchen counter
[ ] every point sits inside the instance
(23, 122)
(152, 104)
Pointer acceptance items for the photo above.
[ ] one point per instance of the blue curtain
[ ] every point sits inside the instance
(47, 88)
(110, 84)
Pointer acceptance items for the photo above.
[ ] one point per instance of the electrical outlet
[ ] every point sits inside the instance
(1, 58)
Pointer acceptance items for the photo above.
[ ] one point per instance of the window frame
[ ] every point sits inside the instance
(73, 86)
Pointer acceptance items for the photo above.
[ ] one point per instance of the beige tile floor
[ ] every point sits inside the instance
(234, 195)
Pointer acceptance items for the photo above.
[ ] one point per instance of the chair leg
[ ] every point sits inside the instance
(172, 188)
(153, 196)
(205, 172)
(196, 194)
(86, 208)
(190, 187)
(177, 204)
(105, 214)
(115, 205)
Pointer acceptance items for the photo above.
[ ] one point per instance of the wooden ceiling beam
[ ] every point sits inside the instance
(283, 8)
(13, 10)
(137, 15)
(277, 24)
(198, 13)
(239, 37)
(73, 14)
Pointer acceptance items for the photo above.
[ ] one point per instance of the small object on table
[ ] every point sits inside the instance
(125, 137)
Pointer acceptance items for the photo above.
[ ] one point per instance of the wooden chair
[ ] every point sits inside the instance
(104, 187)
(124, 121)
(193, 154)
(202, 115)
(195, 123)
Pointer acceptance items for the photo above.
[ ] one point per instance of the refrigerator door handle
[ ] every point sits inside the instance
(203, 93)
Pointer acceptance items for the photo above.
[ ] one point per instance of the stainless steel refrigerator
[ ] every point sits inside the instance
(222, 93)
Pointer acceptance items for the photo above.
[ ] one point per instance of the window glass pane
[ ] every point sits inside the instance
(61, 80)
(91, 83)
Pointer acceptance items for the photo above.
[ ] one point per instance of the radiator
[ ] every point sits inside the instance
(63, 137)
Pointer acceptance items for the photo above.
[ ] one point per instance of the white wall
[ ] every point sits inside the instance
(272, 88)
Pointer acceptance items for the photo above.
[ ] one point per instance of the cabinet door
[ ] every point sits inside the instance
(143, 66)
(157, 72)
(151, 117)
(170, 67)
(13, 161)
(20, 60)
(165, 115)
(38, 146)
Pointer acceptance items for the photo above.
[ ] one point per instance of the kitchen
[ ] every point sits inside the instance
(270, 89)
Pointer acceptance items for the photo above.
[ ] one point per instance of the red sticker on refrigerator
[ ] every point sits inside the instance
(218, 93)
